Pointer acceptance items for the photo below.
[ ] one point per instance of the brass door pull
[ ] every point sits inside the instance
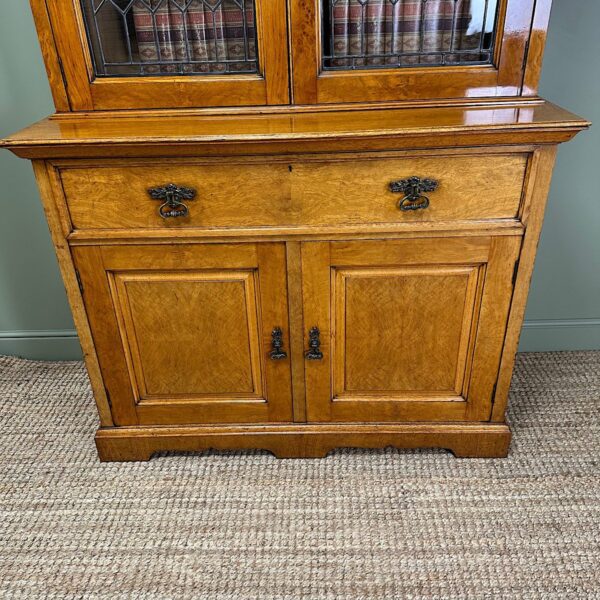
(172, 196)
(413, 189)
(314, 345)
(277, 352)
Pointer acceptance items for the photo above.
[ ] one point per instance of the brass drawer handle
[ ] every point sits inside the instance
(277, 352)
(172, 196)
(413, 188)
(314, 345)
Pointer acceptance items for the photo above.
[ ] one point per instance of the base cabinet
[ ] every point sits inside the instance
(394, 330)
(274, 238)
(302, 291)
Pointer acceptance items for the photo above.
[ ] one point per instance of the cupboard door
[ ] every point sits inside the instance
(185, 333)
(145, 54)
(409, 330)
(388, 50)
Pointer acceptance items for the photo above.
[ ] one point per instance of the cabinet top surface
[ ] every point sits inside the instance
(182, 130)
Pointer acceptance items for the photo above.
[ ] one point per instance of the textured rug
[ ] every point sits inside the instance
(357, 525)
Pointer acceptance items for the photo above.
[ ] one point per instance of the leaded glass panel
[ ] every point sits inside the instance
(370, 34)
(166, 37)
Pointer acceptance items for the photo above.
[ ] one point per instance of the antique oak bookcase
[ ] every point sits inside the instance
(296, 226)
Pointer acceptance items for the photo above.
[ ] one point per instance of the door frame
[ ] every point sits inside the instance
(312, 85)
(87, 92)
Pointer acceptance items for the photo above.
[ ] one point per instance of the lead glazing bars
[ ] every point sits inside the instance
(163, 65)
(452, 52)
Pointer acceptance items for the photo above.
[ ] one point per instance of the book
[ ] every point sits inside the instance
(153, 34)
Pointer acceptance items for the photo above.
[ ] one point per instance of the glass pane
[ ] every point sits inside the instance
(166, 37)
(370, 34)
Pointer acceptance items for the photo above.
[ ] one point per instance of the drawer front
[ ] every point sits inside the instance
(296, 193)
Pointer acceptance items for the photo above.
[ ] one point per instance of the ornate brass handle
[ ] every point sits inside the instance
(277, 352)
(413, 189)
(314, 345)
(172, 196)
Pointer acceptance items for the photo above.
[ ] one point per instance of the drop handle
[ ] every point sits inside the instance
(277, 351)
(414, 189)
(172, 197)
(314, 345)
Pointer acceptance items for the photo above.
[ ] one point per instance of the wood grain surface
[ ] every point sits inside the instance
(294, 193)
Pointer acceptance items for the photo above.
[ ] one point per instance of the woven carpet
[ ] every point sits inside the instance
(357, 525)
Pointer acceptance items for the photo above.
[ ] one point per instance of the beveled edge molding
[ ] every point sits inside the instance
(394, 128)
(464, 440)
(343, 143)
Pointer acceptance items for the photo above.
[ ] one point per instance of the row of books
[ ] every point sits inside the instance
(200, 37)
(172, 36)
(407, 32)
(219, 36)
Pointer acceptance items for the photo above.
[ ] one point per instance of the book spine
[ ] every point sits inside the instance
(375, 26)
(238, 35)
(219, 44)
(179, 38)
(153, 33)
(339, 25)
(197, 33)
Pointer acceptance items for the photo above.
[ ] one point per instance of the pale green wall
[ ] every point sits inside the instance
(34, 315)
(564, 306)
(564, 303)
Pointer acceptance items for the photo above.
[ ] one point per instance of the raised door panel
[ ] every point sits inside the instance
(200, 326)
(184, 334)
(378, 335)
(388, 50)
(153, 54)
(410, 330)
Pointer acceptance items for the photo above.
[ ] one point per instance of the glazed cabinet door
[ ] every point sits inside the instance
(190, 333)
(405, 330)
(388, 50)
(153, 54)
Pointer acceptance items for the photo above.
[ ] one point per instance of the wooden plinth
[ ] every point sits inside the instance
(464, 440)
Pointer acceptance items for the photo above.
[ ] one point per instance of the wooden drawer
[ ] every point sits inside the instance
(332, 191)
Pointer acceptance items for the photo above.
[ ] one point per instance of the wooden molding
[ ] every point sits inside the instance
(303, 441)
(281, 133)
